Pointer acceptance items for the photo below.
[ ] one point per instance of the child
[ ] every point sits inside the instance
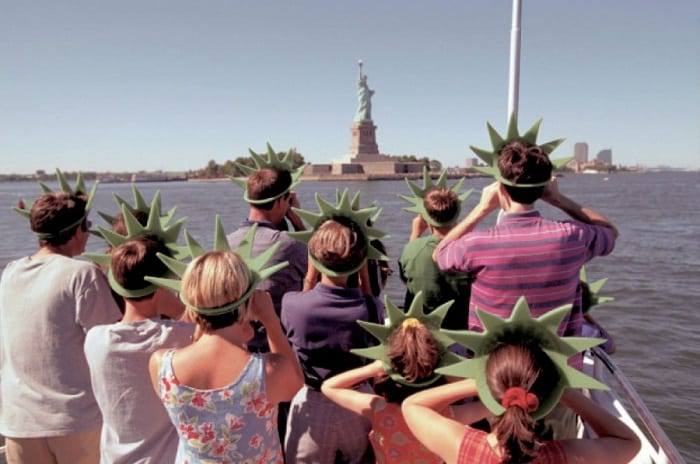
(136, 427)
(412, 353)
(321, 325)
(221, 397)
(438, 209)
(518, 381)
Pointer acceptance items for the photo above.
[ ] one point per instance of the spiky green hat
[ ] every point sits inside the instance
(343, 209)
(154, 228)
(594, 297)
(396, 320)
(498, 142)
(521, 326)
(418, 207)
(64, 187)
(286, 163)
(256, 267)
(140, 205)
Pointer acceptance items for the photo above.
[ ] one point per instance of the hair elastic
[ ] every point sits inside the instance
(517, 396)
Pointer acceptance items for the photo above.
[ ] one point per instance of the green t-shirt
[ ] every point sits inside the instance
(420, 273)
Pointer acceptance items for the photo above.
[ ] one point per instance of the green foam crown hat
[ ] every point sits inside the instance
(140, 205)
(286, 163)
(64, 186)
(417, 205)
(154, 228)
(343, 208)
(395, 321)
(594, 297)
(498, 142)
(256, 266)
(522, 327)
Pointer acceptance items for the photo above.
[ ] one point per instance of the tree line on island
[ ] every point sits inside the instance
(212, 170)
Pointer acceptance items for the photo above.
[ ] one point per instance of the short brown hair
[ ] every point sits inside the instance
(524, 163)
(338, 244)
(135, 259)
(268, 183)
(53, 213)
(213, 280)
(441, 204)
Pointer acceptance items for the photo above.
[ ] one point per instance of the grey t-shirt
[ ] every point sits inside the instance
(136, 427)
(290, 278)
(46, 306)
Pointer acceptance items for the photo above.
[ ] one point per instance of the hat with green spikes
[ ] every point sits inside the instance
(417, 200)
(140, 205)
(591, 295)
(154, 228)
(286, 163)
(64, 186)
(256, 267)
(363, 218)
(397, 319)
(521, 326)
(498, 142)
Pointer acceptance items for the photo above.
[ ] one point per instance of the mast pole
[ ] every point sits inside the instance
(514, 78)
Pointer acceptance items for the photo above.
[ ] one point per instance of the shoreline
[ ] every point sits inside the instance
(352, 177)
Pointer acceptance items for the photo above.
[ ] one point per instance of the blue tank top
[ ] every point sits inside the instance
(234, 423)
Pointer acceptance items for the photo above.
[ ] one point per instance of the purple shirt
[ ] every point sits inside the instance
(526, 254)
(322, 327)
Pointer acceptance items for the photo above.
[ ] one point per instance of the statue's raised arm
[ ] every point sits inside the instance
(364, 97)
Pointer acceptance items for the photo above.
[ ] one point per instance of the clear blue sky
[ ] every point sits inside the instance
(131, 85)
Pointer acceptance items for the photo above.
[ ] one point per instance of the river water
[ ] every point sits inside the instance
(654, 272)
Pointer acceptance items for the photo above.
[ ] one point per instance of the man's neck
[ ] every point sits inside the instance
(514, 207)
(341, 281)
(48, 250)
(135, 311)
(260, 215)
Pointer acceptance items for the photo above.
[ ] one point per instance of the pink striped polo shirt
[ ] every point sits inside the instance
(526, 254)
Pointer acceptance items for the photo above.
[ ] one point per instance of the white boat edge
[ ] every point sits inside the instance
(656, 447)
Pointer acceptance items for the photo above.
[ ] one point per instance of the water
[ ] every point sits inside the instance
(654, 271)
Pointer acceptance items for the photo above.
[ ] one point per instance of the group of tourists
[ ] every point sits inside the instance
(274, 346)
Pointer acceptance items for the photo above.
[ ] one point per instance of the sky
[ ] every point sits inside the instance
(169, 85)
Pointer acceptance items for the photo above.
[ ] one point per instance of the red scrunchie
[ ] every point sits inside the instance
(517, 396)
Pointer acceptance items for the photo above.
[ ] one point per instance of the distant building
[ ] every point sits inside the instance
(605, 156)
(471, 162)
(581, 152)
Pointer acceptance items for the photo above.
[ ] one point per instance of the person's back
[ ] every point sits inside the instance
(136, 427)
(438, 210)
(47, 303)
(229, 423)
(518, 376)
(322, 326)
(525, 254)
(221, 398)
(268, 191)
(404, 363)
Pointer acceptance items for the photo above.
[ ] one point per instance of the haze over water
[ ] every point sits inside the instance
(654, 272)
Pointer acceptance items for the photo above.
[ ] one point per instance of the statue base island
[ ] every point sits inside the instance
(363, 157)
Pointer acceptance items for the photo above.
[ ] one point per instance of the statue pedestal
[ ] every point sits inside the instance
(363, 140)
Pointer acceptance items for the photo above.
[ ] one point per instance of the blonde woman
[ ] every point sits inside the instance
(221, 397)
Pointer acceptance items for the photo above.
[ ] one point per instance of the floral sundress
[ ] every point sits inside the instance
(231, 424)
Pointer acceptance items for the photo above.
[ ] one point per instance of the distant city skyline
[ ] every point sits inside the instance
(129, 86)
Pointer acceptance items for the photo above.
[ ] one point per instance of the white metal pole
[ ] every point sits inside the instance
(514, 78)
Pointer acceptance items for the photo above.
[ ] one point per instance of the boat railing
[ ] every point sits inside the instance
(666, 450)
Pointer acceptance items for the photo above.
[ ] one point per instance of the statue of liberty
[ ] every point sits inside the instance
(364, 96)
